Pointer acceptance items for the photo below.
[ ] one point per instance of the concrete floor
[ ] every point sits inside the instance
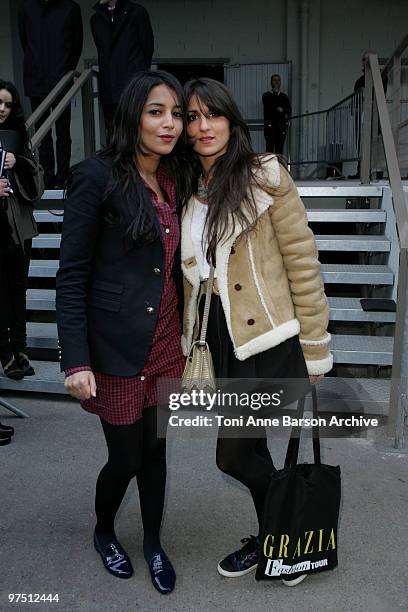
(47, 480)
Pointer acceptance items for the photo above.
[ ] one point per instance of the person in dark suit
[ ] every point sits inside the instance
(117, 305)
(124, 40)
(51, 36)
(277, 112)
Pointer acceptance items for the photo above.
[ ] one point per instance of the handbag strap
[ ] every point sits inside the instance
(208, 294)
(294, 441)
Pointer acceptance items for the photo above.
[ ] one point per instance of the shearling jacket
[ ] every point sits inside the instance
(268, 278)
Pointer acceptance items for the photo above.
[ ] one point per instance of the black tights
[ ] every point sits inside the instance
(134, 450)
(249, 461)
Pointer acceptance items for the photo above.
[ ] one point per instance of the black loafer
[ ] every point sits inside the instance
(114, 558)
(162, 573)
(5, 441)
(6, 430)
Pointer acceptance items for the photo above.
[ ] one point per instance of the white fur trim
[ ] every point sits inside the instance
(268, 340)
(256, 280)
(326, 340)
(320, 366)
(192, 273)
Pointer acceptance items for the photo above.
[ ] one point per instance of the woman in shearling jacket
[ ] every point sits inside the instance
(20, 187)
(269, 313)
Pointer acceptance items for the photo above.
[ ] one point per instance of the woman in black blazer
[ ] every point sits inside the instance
(117, 305)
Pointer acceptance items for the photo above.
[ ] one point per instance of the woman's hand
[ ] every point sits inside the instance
(10, 161)
(315, 379)
(4, 188)
(81, 385)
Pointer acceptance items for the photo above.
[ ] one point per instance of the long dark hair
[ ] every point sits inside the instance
(15, 120)
(234, 174)
(137, 215)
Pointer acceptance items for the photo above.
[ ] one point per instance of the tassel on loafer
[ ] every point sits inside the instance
(114, 558)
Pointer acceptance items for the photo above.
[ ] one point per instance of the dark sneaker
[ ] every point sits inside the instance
(11, 369)
(291, 581)
(24, 364)
(5, 441)
(114, 558)
(241, 561)
(162, 573)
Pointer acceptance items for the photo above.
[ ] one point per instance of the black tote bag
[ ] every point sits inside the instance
(299, 530)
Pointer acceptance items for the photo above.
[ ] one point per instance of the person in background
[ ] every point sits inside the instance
(277, 112)
(19, 190)
(124, 40)
(359, 86)
(51, 35)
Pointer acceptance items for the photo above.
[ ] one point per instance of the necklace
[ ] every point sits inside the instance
(202, 189)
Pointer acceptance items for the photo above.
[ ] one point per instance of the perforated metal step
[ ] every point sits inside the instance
(349, 309)
(45, 216)
(350, 274)
(364, 350)
(336, 189)
(43, 267)
(352, 243)
(346, 215)
(42, 335)
(40, 299)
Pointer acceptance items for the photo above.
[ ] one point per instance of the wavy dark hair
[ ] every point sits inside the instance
(15, 120)
(137, 215)
(234, 174)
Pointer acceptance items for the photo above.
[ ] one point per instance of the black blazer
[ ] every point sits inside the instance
(124, 47)
(107, 297)
(51, 35)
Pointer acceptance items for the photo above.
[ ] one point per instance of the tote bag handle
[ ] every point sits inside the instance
(294, 441)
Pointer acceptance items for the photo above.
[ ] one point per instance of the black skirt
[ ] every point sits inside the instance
(282, 366)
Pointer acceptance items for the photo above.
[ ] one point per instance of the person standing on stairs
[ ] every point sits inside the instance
(123, 37)
(20, 188)
(51, 36)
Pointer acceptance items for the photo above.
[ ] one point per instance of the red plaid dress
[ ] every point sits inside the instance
(120, 400)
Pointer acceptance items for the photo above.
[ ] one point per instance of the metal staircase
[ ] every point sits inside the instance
(358, 252)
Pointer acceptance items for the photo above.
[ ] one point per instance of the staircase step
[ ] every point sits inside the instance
(350, 395)
(47, 241)
(341, 309)
(46, 216)
(47, 379)
(349, 309)
(42, 335)
(336, 189)
(332, 273)
(346, 215)
(40, 299)
(43, 267)
(350, 274)
(364, 350)
(53, 194)
(352, 243)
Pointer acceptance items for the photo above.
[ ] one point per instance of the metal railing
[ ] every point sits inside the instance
(376, 112)
(80, 82)
(327, 137)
